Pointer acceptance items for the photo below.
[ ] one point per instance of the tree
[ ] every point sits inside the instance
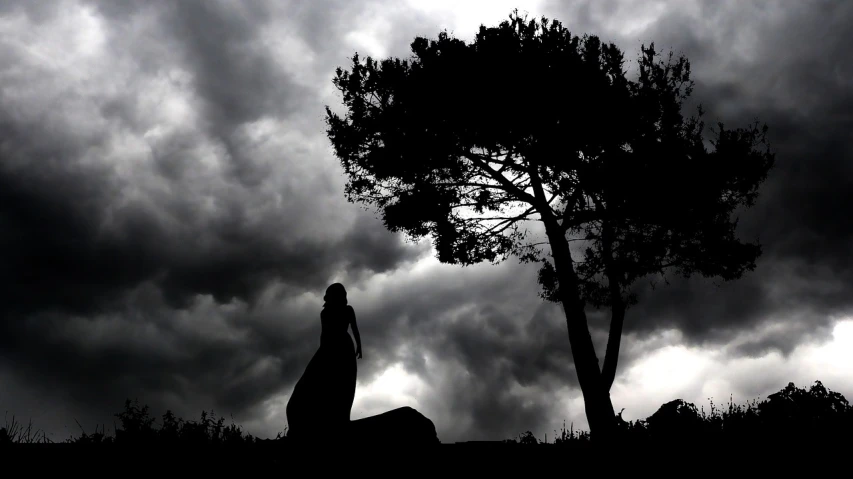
(530, 125)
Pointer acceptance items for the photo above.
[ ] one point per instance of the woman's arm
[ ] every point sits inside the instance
(354, 325)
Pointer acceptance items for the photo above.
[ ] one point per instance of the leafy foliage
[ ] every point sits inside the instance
(137, 427)
(455, 141)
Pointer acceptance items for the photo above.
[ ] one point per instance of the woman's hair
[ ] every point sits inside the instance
(335, 294)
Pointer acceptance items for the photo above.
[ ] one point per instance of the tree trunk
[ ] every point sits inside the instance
(596, 398)
(599, 409)
(614, 338)
(617, 307)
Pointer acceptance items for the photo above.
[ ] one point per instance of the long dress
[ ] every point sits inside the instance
(322, 399)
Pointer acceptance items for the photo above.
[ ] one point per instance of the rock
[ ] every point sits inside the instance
(675, 419)
(402, 426)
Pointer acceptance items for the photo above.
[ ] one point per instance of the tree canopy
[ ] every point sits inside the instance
(445, 144)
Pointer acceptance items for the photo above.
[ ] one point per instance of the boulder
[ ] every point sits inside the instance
(675, 420)
(402, 426)
(399, 427)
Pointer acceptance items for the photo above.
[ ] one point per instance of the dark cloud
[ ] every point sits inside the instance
(786, 66)
(451, 329)
(156, 192)
(74, 238)
(171, 213)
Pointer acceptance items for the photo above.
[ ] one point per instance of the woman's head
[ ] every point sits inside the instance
(335, 294)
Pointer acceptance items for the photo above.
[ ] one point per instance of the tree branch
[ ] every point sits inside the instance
(578, 218)
(508, 221)
(508, 185)
(571, 218)
(539, 194)
(471, 185)
(505, 163)
(507, 218)
(492, 204)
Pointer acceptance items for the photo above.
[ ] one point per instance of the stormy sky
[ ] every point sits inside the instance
(171, 213)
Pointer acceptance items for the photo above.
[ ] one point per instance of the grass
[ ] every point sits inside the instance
(814, 419)
(794, 416)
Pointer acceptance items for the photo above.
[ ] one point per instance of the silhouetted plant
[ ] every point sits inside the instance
(170, 431)
(98, 437)
(792, 415)
(568, 436)
(15, 432)
(811, 412)
(527, 438)
(208, 430)
(136, 424)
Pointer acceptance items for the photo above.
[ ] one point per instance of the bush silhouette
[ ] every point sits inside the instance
(675, 420)
(793, 415)
(137, 427)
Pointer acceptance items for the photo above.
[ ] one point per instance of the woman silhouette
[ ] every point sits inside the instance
(323, 396)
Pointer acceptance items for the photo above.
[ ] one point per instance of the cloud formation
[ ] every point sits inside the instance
(786, 66)
(171, 214)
